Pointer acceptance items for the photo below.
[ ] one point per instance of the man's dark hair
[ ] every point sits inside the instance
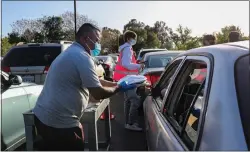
(234, 36)
(210, 38)
(85, 29)
(128, 35)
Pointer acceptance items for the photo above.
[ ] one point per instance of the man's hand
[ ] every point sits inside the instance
(124, 86)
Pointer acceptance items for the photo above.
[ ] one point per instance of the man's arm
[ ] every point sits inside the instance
(127, 60)
(103, 92)
(86, 68)
(107, 83)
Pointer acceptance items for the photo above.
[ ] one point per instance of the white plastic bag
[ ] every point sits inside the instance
(138, 80)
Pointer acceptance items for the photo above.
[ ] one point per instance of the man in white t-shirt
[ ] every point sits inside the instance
(70, 81)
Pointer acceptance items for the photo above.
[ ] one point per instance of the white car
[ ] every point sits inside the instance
(144, 51)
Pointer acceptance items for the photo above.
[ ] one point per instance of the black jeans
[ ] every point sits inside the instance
(60, 139)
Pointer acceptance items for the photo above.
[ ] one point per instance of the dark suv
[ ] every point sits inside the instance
(32, 61)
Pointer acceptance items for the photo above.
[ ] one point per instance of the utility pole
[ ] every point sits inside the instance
(75, 15)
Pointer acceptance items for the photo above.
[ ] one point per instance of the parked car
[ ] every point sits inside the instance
(201, 101)
(108, 65)
(155, 63)
(142, 52)
(115, 57)
(32, 61)
(17, 97)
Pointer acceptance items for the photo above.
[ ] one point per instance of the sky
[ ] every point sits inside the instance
(201, 16)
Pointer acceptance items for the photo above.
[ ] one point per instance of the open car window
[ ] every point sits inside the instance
(185, 101)
(163, 85)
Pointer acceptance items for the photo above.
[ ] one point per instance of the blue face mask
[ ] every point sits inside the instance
(132, 42)
(97, 50)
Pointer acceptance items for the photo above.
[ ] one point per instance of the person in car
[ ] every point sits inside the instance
(234, 36)
(70, 80)
(127, 66)
(209, 40)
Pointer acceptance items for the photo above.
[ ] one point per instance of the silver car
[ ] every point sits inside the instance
(32, 61)
(202, 101)
(16, 98)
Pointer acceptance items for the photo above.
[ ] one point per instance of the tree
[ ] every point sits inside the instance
(152, 40)
(53, 28)
(14, 37)
(109, 39)
(5, 46)
(161, 29)
(222, 36)
(69, 23)
(182, 38)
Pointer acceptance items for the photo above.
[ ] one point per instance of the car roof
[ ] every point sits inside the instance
(37, 44)
(152, 50)
(237, 48)
(162, 52)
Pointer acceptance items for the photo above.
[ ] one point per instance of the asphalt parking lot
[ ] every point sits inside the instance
(121, 139)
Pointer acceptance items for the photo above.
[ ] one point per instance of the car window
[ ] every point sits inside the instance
(32, 56)
(160, 89)
(242, 83)
(157, 61)
(144, 52)
(184, 101)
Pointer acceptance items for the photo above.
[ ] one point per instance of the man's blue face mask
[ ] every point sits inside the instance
(97, 50)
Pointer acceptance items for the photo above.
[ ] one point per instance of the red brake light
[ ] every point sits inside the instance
(6, 69)
(152, 78)
(46, 69)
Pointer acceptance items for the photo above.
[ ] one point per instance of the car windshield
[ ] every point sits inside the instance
(144, 52)
(104, 58)
(160, 60)
(242, 83)
(31, 56)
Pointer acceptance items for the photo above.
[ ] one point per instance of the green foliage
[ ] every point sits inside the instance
(5, 46)
(109, 40)
(222, 36)
(53, 28)
(62, 27)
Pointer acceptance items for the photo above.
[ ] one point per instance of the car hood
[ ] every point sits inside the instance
(150, 70)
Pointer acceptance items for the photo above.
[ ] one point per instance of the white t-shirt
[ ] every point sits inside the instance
(65, 94)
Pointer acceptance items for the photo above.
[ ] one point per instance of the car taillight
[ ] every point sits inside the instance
(6, 69)
(152, 78)
(46, 69)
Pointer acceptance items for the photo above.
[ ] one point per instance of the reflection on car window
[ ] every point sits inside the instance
(166, 79)
(187, 85)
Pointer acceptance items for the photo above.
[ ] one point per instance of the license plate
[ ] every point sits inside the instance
(28, 78)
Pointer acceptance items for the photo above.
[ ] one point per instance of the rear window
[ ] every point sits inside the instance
(32, 56)
(144, 52)
(242, 83)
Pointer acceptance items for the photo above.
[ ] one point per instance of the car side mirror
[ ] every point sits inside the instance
(15, 79)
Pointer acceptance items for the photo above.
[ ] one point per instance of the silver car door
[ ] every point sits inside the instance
(14, 104)
(152, 107)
